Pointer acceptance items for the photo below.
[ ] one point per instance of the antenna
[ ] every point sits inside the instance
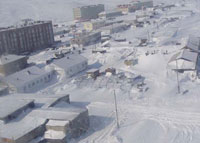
(177, 76)
(116, 110)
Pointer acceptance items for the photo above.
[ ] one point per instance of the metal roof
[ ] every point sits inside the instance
(21, 78)
(193, 43)
(70, 61)
(5, 59)
(185, 54)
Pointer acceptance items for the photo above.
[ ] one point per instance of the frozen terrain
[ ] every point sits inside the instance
(157, 114)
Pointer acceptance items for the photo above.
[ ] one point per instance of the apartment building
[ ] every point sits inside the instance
(88, 12)
(29, 36)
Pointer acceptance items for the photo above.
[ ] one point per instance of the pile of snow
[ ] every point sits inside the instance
(145, 131)
(152, 63)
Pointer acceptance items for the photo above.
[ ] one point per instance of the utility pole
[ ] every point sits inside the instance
(177, 76)
(116, 110)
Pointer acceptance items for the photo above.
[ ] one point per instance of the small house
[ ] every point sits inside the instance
(111, 70)
(70, 65)
(28, 80)
(93, 73)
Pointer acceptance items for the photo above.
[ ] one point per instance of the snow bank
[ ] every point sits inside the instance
(146, 131)
(153, 63)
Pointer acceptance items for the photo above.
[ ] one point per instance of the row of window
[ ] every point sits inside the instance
(42, 80)
(78, 68)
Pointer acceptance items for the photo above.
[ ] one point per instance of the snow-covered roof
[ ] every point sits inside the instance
(18, 129)
(67, 114)
(42, 100)
(185, 54)
(24, 76)
(193, 43)
(70, 61)
(185, 59)
(5, 59)
(189, 56)
(9, 106)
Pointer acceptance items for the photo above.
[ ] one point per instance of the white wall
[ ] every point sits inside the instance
(36, 84)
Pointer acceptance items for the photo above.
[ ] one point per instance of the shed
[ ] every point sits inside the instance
(111, 70)
(93, 73)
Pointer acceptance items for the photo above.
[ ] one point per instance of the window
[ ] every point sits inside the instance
(33, 83)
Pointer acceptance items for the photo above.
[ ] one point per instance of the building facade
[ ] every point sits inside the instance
(28, 80)
(94, 25)
(27, 37)
(115, 28)
(86, 38)
(110, 14)
(88, 12)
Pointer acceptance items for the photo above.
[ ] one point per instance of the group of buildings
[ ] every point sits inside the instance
(134, 6)
(86, 13)
(39, 118)
(19, 77)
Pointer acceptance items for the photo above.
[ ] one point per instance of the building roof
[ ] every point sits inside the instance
(113, 26)
(185, 54)
(22, 77)
(193, 43)
(186, 60)
(67, 114)
(9, 106)
(5, 59)
(24, 23)
(69, 61)
(41, 100)
(21, 127)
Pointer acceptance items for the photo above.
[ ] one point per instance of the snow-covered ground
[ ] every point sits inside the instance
(156, 115)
